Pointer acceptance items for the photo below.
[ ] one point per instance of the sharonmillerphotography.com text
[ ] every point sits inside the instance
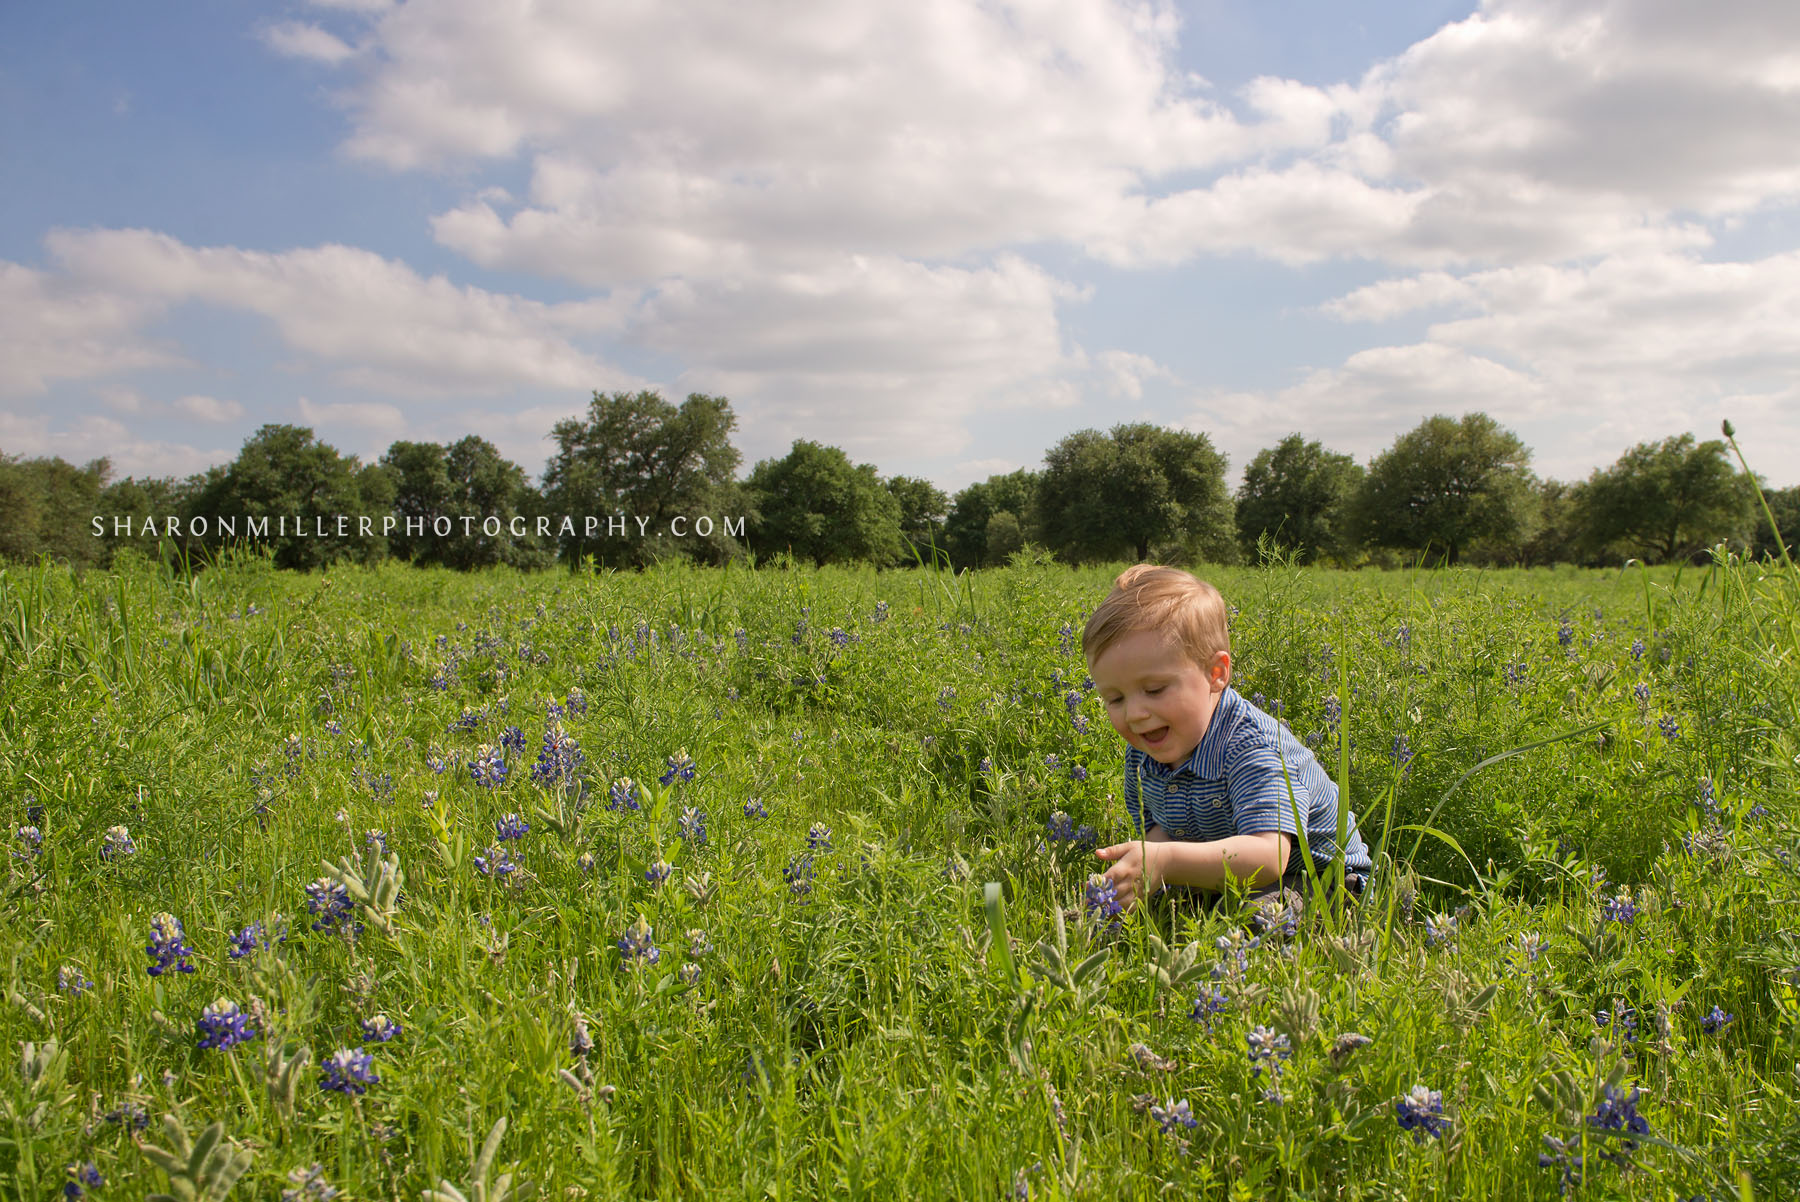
(342, 525)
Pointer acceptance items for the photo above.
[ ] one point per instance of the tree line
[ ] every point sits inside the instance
(631, 479)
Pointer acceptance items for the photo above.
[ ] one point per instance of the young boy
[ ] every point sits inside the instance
(1204, 772)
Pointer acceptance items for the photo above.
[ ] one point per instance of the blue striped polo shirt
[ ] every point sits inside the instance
(1233, 784)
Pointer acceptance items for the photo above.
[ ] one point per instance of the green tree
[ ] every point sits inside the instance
(1447, 486)
(975, 507)
(814, 503)
(1666, 500)
(923, 507)
(1784, 503)
(47, 507)
(1556, 531)
(1297, 494)
(638, 458)
(1108, 496)
(311, 497)
(136, 513)
(448, 501)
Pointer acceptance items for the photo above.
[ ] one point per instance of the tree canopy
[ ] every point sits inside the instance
(815, 503)
(1445, 486)
(1010, 499)
(636, 455)
(1297, 494)
(1141, 486)
(284, 472)
(461, 487)
(1666, 500)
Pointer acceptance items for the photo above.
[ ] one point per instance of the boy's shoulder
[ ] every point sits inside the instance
(1250, 730)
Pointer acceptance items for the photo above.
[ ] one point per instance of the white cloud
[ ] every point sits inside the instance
(375, 320)
(128, 453)
(355, 414)
(1125, 373)
(208, 409)
(54, 328)
(296, 39)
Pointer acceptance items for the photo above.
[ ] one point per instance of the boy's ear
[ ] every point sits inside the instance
(1219, 672)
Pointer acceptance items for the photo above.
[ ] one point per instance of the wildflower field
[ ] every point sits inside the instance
(404, 884)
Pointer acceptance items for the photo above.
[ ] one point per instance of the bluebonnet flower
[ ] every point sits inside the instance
(1065, 638)
(223, 1025)
(308, 1185)
(1514, 673)
(348, 1071)
(1238, 947)
(754, 808)
(691, 826)
(69, 979)
(167, 948)
(558, 758)
(623, 795)
(699, 945)
(376, 839)
(117, 844)
(1259, 701)
(1334, 712)
(681, 768)
(1440, 929)
(510, 826)
(1637, 649)
(1346, 1045)
(1759, 810)
(1211, 1001)
(1422, 1113)
(1051, 761)
(497, 862)
(881, 612)
(818, 837)
(1077, 719)
(1102, 901)
(1276, 914)
(82, 1177)
(553, 710)
(577, 702)
(1641, 691)
(246, 941)
(1671, 729)
(1060, 826)
(1532, 944)
(379, 1028)
(513, 739)
(468, 720)
(1619, 1017)
(839, 636)
(1620, 909)
(1708, 802)
(637, 946)
(1175, 1114)
(1565, 633)
(585, 861)
(1715, 1021)
(1618, 1111)
(1564, 1156)
(799, 876)
(658, 872)
(380, 787)
(985, 766)
(945, 697)
(1267, 1047)
(1402, 753)
(33, 839)
(488, 768)
(331, 902)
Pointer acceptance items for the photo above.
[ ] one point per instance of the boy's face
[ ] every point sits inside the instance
(1159, 700)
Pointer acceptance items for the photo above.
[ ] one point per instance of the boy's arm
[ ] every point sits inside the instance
(1140, 868)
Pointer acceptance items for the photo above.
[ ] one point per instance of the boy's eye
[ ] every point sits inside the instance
(1154, 690)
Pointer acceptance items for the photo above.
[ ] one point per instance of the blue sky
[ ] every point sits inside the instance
(941, 236)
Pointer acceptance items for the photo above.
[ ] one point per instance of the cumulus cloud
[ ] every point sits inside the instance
(128, 453)
(359, 415)
(376, 321)
(296, 39)
(208, 409)
(56, 328)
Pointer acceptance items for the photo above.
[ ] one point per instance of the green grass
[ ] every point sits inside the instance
(867, 1039)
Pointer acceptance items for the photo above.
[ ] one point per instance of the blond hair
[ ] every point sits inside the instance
(1179, 604)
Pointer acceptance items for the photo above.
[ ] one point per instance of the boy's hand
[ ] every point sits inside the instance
(1136, 870)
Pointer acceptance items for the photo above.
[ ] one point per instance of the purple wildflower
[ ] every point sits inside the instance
(623, 795)
(1422, 1113)
(167, 947)
(379, 1029)
(681, 768)
(637, 946)
(223, 1025)
(348, 1071)
(510, 826)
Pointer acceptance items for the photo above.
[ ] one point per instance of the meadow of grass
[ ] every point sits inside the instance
(728, 883)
